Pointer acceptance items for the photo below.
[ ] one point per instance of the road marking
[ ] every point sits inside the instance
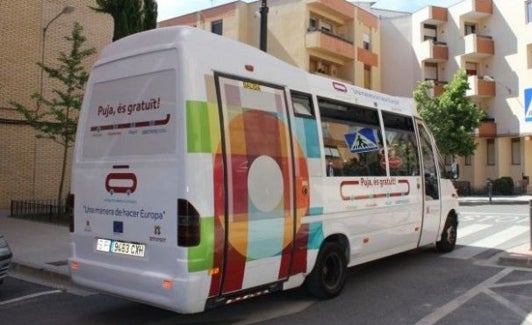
(527, 318)
(457, 302)
(35, 295)
(492, 241)
(501, 236)
(471, 229)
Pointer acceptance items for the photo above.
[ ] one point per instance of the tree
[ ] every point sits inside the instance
(451, 117)
(59, 121)
(129, 16)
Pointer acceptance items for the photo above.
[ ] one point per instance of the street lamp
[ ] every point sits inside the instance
(66, 10)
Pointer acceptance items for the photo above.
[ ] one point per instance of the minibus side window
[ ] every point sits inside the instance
(403, 157)
(352, 139)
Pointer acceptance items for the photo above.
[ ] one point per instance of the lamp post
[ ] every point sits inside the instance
(66, 10)
(264, 25)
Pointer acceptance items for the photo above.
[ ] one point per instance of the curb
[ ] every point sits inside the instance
(517, 260)
(40, 275)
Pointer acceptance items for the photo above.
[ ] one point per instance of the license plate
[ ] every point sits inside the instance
(120, 247)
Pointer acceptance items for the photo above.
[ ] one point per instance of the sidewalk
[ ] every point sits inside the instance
(41, 250)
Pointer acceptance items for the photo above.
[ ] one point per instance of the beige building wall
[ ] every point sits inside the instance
(500, 49)
(291, 37)
(30, 167)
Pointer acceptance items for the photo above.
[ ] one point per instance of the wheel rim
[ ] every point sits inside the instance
(451, 234)
(332, 271)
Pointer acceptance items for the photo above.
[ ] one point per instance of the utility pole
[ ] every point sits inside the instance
(264, 25)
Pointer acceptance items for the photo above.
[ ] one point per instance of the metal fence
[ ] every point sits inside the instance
(53, 211)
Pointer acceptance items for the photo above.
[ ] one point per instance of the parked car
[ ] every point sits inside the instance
(5, 258)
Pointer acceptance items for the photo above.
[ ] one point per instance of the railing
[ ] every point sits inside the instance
(40, 210)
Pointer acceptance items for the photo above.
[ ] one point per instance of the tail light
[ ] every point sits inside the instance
(188, 224)
(70, 211)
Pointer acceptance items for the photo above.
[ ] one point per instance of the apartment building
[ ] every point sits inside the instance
(330, 37)
(34, 31)
(492, 41)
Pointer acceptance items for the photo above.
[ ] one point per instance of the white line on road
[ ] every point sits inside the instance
(471, 229)
(527, 318)
(35, 295)
(454, 304)
(488, 242)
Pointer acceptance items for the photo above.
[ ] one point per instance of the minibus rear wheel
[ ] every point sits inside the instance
(327, 279)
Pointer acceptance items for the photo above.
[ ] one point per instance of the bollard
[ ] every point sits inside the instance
(490, 189)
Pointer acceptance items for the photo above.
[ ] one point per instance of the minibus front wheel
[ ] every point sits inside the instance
(448, 236)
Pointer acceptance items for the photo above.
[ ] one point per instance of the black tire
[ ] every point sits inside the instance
(448, 236)
(327, 278)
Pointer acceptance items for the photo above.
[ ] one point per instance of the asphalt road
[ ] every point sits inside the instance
(418, 287)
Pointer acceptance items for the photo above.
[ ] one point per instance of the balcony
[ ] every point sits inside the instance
(330, 44)
(480, 87)
(475, 9)
(367, 57)
(478, 46)
(438, 88)
(339, 9)
(432, 15)
(487, 129)
(434, 51)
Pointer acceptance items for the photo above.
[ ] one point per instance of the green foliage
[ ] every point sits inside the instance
(57, 118)
(503, 186)
(451, 117)
(129, 16)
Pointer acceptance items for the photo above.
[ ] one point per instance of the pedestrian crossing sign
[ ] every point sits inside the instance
(362, 140)
(528, 105)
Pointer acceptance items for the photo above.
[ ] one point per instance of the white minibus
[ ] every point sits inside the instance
(206, 172)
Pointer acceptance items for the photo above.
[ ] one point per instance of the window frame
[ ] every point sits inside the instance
(430, 27)
(301, 95)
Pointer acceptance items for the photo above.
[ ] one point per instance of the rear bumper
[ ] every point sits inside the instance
(179, 294)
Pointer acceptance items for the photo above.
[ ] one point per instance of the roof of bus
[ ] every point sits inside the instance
(361, 96)
(227, 55)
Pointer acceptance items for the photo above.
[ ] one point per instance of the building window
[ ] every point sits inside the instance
(367, 76)
(431, 71)
(471, 68)
(217, 27)
(429, 32)
(468, 160)
(326, 27)
(490, 150)
(366, 44)
(516, 151)
(470, 28)
(313, 24)
(528, 11)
